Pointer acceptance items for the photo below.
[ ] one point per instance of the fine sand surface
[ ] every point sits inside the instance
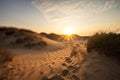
(69, 63)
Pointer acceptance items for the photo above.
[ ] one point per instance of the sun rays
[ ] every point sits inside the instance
(69, 31)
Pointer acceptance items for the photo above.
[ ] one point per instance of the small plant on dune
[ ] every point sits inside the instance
(107, 43)
(5, 56)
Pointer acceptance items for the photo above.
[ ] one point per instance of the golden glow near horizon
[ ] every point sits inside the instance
(69, 31)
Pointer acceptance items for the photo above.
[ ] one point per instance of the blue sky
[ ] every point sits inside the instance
(84, 16)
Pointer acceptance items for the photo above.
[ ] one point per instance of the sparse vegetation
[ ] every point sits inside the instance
(43, 34)
(24, 39)
(10, 32)
(107, 43)
(54, 36)
(26, 31)
(30, 42)
(5, 56)
(5, 28)
(41, 44)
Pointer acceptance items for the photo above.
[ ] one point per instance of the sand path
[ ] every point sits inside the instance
(65, 64)
(43, 66)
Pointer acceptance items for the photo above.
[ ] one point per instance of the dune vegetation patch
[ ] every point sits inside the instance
(15, 37)
(30, 42)
(107, 43)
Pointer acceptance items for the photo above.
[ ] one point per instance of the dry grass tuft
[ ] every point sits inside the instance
(107, 43)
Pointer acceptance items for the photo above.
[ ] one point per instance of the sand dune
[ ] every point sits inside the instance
(60, 65)
(26, 39)
(56, 61)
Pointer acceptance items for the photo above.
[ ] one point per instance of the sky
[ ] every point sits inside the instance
(53, 16)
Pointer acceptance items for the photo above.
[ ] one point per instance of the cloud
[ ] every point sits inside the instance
(111, 4)
(56, 10)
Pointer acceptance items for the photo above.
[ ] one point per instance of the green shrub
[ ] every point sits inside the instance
(5, 56)
(107, 43)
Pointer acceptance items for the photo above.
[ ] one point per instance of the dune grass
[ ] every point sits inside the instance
(5, 56)
(107, 43)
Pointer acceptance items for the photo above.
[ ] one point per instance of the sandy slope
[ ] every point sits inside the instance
(25, 39)
(61, 65)
(35, 66)
(99, 67)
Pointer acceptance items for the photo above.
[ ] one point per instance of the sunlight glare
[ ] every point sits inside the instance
(69, 31)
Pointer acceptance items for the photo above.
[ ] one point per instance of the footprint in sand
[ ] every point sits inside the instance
(71, 68)
(68, 59)
(73, 53)
(64, 72)
(41, 72)
(53, 63)
(76, 69)
(74, 77)
(64, 64)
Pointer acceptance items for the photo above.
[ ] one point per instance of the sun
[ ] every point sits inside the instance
(69, 31)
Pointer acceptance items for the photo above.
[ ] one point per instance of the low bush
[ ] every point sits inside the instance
(107, 43)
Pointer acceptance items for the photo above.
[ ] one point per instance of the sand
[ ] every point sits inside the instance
(60, 65)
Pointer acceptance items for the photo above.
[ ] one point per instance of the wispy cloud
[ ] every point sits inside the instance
(55, 10)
